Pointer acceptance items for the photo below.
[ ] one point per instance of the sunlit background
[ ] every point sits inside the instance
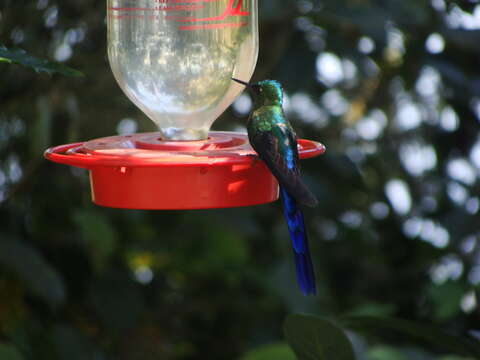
(393, 90)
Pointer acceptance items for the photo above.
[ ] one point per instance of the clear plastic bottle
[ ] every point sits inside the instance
(175, 58)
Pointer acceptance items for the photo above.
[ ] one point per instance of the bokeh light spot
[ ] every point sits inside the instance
(399, 196)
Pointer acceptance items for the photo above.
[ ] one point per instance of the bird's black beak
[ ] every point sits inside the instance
(242, 82)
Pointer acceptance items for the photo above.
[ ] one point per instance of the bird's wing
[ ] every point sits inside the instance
(278, 149)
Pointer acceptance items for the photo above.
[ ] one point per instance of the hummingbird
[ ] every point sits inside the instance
(273, 138)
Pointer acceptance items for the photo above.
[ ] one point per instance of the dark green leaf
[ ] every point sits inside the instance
(314, 338)
(372, 309)
(269, 352)
(40, 278)
(8, 352)
(99, 235)
(72, 345)
(426, 334)
(385, 353)
(40, 132)
(465, 39)
(20, 56)
(117, 302)
(446, 299)
(275, 10)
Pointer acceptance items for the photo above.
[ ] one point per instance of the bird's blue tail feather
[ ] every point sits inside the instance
(296, 228)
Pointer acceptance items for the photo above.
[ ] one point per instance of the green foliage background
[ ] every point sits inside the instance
(223, 282)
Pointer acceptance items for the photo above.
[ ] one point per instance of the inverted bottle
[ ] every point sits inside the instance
(175, 60)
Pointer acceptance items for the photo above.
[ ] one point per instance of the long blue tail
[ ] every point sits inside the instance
(296, 227)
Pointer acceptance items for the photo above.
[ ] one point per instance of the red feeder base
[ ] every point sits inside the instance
(143, 172)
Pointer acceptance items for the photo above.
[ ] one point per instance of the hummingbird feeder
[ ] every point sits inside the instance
(175, 60)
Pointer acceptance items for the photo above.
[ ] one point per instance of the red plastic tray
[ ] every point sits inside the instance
(141, 171)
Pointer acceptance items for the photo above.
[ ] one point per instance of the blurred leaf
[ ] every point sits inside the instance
(373, 309)
(220, 248)
(20, 56)
(345, 168)
(426, 334)
(99, 235)
(314, 338)
(409, 12)
(33, 339)
(270, 352)
(8, 352)
(117, 301)
(351, 14)
(12, 307)
(224, 246)
(19, 337)
(451, 73)
(276, 10)
(40, 278)
(446, 299)
(304, 58)
(71, 345)
(385, 353)
(465, 39)
(40, 131)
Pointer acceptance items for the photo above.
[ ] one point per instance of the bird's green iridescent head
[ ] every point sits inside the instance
(266, 92)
